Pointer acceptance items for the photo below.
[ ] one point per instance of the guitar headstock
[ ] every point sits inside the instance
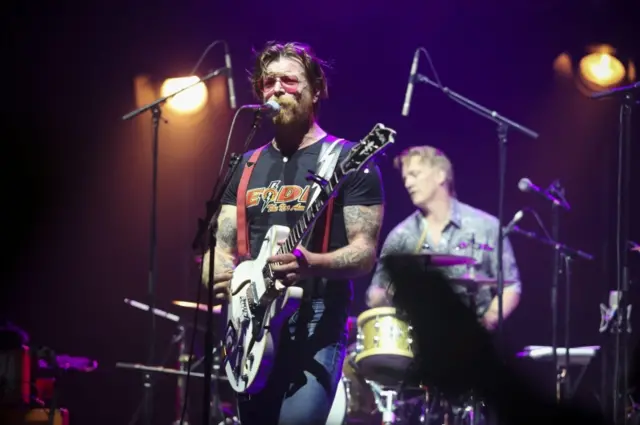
(372, 144)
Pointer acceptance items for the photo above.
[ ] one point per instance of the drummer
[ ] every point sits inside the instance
(443, 224)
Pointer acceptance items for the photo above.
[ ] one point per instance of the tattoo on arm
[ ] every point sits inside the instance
(227, 229)
(363, 222)
(363, 229)
(225, 241)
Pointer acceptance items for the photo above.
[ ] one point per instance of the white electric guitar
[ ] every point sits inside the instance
(260, 305)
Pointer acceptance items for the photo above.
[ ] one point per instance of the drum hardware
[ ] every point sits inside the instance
(182, 358)
(470, 411)
(386, 402)
(579, 356)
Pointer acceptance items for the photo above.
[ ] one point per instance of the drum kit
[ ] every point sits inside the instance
(374, 387)
(374, 380)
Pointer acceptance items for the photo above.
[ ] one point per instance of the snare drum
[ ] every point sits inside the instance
(383, 349)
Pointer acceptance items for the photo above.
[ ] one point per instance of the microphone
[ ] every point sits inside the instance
(512, 224)
(230, 87)
(269, 108)
(526, 185)
(412, 77)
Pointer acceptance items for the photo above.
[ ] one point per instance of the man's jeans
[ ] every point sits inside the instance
(307, 370)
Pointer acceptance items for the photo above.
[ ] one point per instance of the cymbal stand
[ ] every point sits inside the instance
(471, 413)
(385, 401)
(183, 364)
(183, 357)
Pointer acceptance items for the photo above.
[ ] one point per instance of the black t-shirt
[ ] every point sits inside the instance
(277, 195)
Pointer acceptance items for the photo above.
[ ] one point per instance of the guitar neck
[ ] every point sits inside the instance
(311, 214)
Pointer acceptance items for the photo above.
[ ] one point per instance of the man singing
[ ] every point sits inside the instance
(310, 355)
(442, 224)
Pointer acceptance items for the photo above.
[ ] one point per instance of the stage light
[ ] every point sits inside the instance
(596, 67)
(189, 101)
(602, 69)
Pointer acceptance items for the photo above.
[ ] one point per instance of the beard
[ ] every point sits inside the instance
(292, 112)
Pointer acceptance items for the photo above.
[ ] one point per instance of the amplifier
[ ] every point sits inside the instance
(15, 376)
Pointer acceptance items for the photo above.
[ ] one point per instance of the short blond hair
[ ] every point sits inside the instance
(431, 156)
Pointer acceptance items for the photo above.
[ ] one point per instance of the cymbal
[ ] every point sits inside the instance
(217, 309)
(435, 259)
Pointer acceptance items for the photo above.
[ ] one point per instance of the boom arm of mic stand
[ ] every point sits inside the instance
(215, 203)
(618, 91)
(566, 250)
(160, 101)
(477, 108)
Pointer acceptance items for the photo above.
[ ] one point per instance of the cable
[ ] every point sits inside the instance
(540, 223)
(433, 68)
(200, 268)
(206, 51)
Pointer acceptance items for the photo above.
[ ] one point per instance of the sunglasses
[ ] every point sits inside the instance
(289, 84)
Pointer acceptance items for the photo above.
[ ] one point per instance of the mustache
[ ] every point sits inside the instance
(286, 101)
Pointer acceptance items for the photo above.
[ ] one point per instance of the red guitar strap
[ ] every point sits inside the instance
(327, 226)
(241, 204)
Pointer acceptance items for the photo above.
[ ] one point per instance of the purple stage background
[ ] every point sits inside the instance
(77, 213)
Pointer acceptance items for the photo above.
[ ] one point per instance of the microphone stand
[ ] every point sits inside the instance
(560, 247)
(561, 373)
(555, 230)
(210, 229)
(156, 115)
(620, 395)
(504, 124)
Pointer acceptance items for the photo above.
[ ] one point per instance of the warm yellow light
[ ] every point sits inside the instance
(562, 65)
(189, 101)
(602, 69)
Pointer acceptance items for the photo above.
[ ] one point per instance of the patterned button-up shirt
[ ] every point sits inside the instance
(470, 232)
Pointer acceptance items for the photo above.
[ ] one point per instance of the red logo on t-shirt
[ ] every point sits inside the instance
(277, 198)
